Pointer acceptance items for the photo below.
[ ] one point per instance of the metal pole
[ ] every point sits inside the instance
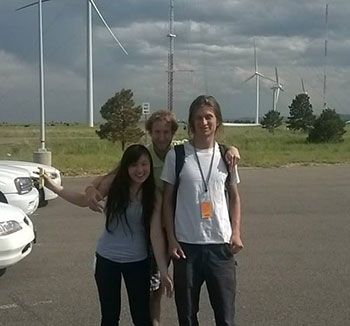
(171, 36)
(325, 62)
(257, 99)
(41, 79)
(90, 87)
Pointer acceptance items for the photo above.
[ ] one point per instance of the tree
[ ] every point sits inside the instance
(328, 127)
(271, 120)
(122, 119)
(301, 114)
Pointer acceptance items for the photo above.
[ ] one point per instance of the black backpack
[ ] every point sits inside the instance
(179, 163)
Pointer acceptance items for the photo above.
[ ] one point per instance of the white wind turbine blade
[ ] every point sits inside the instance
(277, 95)
(276, 74)
(30, 4)
(265, 77)
(255, 59)
(279, 86)
(105, 23)
(303, 86)
(252, 76)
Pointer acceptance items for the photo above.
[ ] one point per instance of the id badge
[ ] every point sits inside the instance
(206, 206)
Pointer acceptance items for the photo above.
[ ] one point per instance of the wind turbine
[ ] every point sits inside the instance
(276, 91)
(90, 93)
(90, 90)
(257, 76)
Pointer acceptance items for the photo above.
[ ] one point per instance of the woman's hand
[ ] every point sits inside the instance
(50, 184)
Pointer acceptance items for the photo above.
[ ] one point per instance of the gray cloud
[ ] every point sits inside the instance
(215, 39)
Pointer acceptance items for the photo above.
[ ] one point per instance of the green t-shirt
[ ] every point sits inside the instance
(157, 167)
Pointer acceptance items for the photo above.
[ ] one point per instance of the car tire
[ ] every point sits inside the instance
(2, 271)
(42, 201)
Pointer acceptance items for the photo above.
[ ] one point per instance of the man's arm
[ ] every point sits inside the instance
(97, 190)
(175, 249)
(159, 245)
(235, 215)
(232, 157)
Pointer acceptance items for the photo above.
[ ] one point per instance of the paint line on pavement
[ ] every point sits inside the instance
(42, 302)
(8, 306)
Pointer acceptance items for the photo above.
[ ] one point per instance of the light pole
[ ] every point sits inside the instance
(41, 155)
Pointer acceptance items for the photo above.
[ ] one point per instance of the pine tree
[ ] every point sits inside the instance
(271, 120)
(122, 119)
(301, 114)
(328, 127)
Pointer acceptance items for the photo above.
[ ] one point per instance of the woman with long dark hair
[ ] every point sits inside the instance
(132, 212)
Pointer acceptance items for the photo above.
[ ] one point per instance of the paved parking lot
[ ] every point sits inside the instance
(293, 271)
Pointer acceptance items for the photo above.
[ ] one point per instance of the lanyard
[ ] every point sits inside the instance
(200, 168)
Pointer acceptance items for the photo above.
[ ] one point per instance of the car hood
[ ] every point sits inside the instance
(12, 172)
(32, 167)
(8, 174)
(9, 212)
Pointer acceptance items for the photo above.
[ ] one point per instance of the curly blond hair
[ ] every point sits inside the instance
(162, 115)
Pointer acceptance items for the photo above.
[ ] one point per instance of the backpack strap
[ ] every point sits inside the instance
(223, 149)
(179, 163)
(180, 160)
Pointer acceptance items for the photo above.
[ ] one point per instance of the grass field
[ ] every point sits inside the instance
(77, 150)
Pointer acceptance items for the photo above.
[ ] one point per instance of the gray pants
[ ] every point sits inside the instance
(215, 265)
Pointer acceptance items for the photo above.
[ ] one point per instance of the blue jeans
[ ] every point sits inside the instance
(108, 276)
(215, 265)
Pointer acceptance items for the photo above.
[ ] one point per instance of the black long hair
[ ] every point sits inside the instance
(118, 195)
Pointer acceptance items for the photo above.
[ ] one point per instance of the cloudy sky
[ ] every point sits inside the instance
(214, 39)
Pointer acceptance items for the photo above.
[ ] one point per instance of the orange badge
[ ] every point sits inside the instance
(206, 209)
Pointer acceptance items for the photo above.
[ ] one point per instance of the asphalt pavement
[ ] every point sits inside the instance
(293, 271)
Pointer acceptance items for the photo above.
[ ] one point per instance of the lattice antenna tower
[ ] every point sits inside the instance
(171, 69)
(325, 62)
(171, 36)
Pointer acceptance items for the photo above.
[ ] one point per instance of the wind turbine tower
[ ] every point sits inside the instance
(90, 79)
(257, 76)
(325, 62)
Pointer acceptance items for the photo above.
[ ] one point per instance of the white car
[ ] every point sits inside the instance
(16, 236)
(17, 189)
(33, 168)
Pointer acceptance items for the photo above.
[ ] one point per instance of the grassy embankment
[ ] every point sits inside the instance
(78, 150)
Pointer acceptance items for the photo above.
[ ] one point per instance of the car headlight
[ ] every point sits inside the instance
(9, 227)
(52, 175)
(23, 185)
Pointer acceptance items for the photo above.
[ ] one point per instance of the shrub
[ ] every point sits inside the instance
(271, 120)
(328, 127)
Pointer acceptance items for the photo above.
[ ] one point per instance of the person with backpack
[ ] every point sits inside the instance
(202, 225)
(161, 127)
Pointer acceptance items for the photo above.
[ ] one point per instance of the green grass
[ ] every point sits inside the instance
(77, 150)
(260, 148)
